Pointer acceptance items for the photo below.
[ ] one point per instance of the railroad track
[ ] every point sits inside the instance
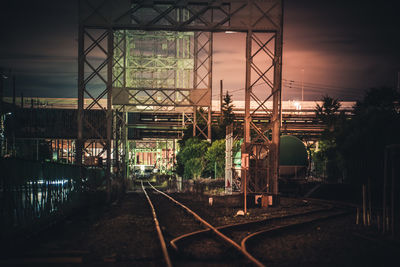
(245, 233)
(229, 244)
(246, 257)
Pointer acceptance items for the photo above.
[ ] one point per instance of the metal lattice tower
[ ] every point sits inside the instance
(157, 55)
(151, 68)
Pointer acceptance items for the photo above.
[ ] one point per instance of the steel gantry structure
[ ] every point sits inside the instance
(156, 55)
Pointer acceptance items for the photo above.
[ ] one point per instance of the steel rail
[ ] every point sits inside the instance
(289, 226)
(159, 232)
(215, 230)
(174, 241)
(333, 202)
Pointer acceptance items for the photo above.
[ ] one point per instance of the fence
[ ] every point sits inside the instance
(34, 193)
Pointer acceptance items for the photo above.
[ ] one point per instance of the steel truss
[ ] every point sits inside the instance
(105, 71)
(156, 147)
(260, 150)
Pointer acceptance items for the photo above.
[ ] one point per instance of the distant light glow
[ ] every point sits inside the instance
(55, 182)
(297, 105)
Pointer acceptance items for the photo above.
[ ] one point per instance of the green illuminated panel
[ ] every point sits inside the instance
(157, 59)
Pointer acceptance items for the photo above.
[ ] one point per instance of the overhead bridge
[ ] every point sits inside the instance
(151, 125)
(56, 119)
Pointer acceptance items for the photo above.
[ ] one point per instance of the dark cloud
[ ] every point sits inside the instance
(342, 43)
(343, 46)
(370, 26)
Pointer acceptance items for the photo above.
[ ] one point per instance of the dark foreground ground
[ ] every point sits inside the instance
(122, 234)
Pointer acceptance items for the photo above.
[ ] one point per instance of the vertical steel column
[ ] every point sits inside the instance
(116, 123)
(81, 87)
(210, 61)
(119, 115)
(125, 152)
(247, 118)
(202, 77)
(110, 52)
(277, 105)
(276, 111)
(195, 62)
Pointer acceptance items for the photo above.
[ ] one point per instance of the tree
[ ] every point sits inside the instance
(328, 112)
(194, 168)
(191, 158)
(326, 155)
(362, 140)
(228, 117)
(357, 144)
(215, 157)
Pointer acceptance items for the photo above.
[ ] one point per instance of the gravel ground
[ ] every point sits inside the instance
(121, 234)
(221, 214)
(337, 242)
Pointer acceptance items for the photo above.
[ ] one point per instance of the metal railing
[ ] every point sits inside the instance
(33, 193)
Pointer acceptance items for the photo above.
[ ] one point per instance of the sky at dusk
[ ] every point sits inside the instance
(339, 48)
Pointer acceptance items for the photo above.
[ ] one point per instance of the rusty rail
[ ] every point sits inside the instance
(159, 232)
(215, 230)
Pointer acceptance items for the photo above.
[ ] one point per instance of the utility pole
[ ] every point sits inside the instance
(302, 85)
(221, 96)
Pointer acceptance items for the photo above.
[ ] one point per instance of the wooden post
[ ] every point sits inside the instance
(369, 202)
(384, 192)
(393, 192)
(364, 204)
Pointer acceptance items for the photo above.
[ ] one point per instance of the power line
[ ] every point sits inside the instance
(322, 90)
(320, 84)
(318, 88)
(309, 86)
